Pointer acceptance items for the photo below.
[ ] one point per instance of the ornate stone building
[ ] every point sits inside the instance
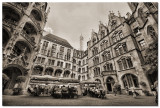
(116, 52)
(23, 24)
(57, 58)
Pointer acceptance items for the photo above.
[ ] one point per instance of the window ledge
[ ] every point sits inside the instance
(126, 69)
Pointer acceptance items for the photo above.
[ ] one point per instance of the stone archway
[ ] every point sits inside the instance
(12, 73)
(58, 73)
(49, 71)
(66, 74)
(36, 14)
(6, 37)
(109, 83)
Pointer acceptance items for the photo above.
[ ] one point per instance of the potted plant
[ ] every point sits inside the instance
(19, 85)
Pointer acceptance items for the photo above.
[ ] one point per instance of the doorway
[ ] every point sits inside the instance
(110, 82)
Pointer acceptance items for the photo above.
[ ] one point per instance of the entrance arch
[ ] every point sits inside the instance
(12, 73)
(109, 83)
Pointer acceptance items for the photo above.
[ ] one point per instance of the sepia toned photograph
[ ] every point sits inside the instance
(80, 53)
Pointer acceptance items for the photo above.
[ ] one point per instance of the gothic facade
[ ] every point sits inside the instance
(23, 24)
(117, 52)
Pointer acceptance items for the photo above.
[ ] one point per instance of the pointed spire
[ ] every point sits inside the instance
(119, 14)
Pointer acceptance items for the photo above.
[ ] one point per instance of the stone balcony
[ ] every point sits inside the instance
(105, 73)
(28, 37)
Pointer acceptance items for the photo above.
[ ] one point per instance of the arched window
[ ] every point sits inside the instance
(120, 49)
(58, 73)
(68, 54)
(125, 63)
(106, 55)
(66, 74)
(79, 77)
(96, 60)
(36, 15)
(118, 35)
(108, 67)
(48, 71)
(74, 61)
(104, 45)
(95, 51)
(79, 70)
(96, 71)
(37, 70)
(130, 80)
(151, 32)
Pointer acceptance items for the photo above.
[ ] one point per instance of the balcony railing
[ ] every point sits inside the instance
(10, 23)
(35, 22)
(28, 37)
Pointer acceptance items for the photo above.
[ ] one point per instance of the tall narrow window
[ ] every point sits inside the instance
(61, 52)
(124, 47)
(117, 51)
(68, 54)
(120, 65)
(44, 47)
(53, 51)
(43, 60)
(129, 61)
(124, 63)
(52, 62)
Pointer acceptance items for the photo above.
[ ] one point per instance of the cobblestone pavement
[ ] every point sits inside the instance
(120, 100)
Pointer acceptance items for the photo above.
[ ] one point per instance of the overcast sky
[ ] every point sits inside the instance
(70, 20)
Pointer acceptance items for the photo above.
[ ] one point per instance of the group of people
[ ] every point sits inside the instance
(56, 91)
(64, 92)
(94, 92)
(38, 90)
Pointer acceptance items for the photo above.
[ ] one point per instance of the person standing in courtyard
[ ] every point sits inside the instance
(114, 90)
(127, 90)
(133, 92)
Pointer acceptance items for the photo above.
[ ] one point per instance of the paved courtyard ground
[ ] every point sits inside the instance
(120, 100)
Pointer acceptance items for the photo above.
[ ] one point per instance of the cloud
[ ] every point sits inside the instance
(48, 30)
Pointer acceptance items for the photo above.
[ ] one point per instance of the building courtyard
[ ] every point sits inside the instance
(121, 55)
(119, 100)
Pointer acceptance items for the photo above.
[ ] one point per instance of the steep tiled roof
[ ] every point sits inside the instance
(58, 40)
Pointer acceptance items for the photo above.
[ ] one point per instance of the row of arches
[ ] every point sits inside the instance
(129, 80)
(37, 70)
(12, 71)
(29, 31)
(15, 15)
(11, 16)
